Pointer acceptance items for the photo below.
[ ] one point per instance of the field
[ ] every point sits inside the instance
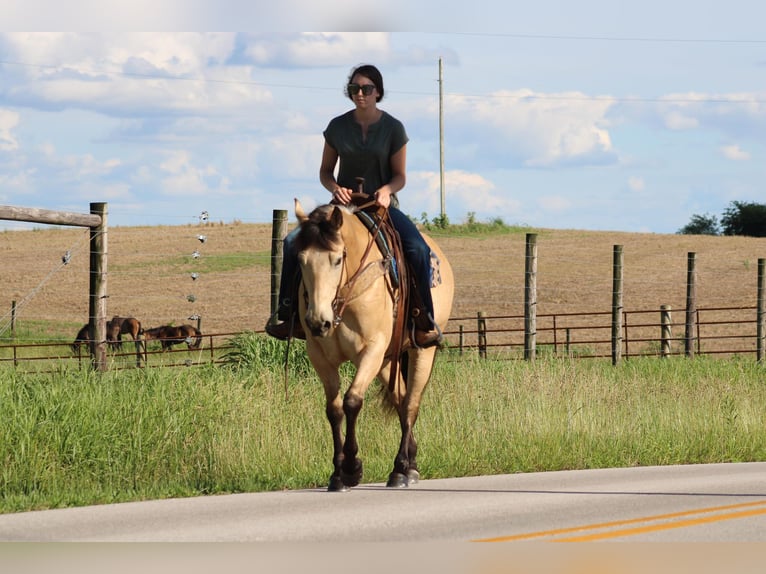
(74, 437)
(150, 273)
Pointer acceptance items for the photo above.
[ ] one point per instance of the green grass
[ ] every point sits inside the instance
(219, 263)
(79, 437)
(441, 227)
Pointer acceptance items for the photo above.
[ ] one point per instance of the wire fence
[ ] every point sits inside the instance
(722, 331)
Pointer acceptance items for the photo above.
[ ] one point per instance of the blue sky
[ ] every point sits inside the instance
(577, 115)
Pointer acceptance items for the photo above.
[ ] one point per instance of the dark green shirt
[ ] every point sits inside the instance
(370, 159)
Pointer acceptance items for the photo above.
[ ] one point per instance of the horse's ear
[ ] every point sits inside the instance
(299, 213)
(336, 218)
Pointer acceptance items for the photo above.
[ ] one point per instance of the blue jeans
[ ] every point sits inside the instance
(416, 252)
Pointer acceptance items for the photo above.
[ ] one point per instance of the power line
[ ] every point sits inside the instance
(646, 39)
(501, 95)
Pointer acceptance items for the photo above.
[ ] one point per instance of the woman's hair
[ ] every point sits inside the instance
(371, 73)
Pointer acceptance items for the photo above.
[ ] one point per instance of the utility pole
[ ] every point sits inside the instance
(441, 142)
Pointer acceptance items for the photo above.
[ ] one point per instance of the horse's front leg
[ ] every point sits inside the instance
(351, 465)
(367, 367)
(334, 410)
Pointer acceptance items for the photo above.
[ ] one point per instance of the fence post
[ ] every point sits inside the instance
(665, 330)
(530, 297)
(98, 292)
(278, 233)
(481, 327)
(13, 319)
(691, 303)
(616, 304)
(761, 313)
(461, 339)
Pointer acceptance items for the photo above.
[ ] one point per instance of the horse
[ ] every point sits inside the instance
(192, 336)
(169, 335)
(82, 338)
(346, 304)
(119, 326)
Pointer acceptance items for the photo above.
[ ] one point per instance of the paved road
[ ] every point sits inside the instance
(697, 503)
(430, 527)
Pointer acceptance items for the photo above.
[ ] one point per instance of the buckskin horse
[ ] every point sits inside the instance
(347, 306)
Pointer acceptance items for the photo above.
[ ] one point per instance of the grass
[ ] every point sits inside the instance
(81, 437)
(441, 226)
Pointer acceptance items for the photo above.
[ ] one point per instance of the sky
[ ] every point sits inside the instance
(590, 115)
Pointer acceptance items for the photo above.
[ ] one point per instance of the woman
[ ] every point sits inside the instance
(371, 144)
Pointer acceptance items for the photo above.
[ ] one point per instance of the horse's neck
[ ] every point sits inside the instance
(357, 239)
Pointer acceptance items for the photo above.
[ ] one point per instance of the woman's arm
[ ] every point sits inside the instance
(340, 194)
(398, 178)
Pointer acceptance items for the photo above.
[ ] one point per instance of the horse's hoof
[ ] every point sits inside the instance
(413, 476)
(397, 480)
(354, 477)
(336, 485)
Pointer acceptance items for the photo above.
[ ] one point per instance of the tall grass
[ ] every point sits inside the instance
(81, 437)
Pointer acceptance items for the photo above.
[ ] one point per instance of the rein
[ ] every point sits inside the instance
(344, 293)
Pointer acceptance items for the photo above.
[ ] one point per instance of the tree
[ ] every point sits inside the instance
(701, 225)
(744, 218)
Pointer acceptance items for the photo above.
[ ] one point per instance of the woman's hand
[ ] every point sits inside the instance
(341, 195)
(383, 197)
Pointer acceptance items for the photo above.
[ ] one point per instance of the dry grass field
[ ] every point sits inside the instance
(150, 274)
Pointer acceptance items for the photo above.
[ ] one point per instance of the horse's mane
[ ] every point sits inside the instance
(319, 230)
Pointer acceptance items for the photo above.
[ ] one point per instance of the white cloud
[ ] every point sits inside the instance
(319, 48)
(131, 71)
(539, 130)
(464, 192)
(8, 121)
(186, 179)
(675, 120)
(636, 183)
(735, 153)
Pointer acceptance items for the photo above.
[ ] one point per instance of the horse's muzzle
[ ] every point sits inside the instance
(318, 327)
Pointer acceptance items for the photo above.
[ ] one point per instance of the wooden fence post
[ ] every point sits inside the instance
(761, 313)
(98, 274)
(691, 303)
(278, 233)
(13, 319)
(530, 298)
(666, 324)
(617, 259)
(481, 327)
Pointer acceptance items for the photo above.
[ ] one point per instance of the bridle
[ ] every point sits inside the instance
(345, 292)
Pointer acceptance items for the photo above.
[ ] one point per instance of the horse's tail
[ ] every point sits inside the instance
(388, 400)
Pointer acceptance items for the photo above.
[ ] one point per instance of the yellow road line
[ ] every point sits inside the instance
(639, 530)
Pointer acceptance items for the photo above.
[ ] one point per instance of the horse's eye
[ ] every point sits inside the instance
(338, 261)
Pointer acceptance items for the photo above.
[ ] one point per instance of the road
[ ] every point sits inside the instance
(717, 503)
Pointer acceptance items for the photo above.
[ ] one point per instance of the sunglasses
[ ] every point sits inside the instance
(367, 89)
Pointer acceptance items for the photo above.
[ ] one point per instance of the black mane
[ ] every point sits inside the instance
(319, 230)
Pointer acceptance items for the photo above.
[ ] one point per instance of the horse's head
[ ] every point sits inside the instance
(321, 255)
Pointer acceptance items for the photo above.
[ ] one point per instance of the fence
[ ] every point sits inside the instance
(717, 330)
(579, 335)
(689, 328)
(621, 338)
